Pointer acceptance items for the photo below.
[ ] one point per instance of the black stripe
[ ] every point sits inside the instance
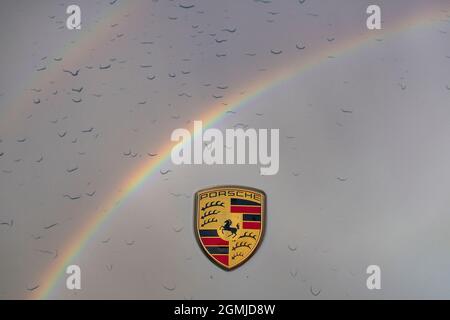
(208, 233)
(251, 217)
(242, 202)
(217, 250)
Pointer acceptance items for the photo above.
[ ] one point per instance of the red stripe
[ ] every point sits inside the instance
(223, 258)
(251, 225)
(214, 241)
(245, 209)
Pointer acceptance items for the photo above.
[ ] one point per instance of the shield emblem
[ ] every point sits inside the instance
(229, 223)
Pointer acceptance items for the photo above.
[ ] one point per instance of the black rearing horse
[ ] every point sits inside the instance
(227, 227)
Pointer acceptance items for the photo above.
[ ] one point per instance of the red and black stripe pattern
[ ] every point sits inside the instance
(250, 210)
(216, 246)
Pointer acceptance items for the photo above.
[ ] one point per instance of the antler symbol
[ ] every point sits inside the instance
(236, 255)
(210, 220)
(213, 204)
(248, 235)
(209, 213)
(241, 244)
